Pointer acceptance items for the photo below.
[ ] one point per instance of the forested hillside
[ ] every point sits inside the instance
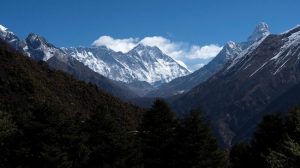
(49, 119)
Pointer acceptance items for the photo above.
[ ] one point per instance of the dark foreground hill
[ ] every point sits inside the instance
(24, 82)
(50, 119)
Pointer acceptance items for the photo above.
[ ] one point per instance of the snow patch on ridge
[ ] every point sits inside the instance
(2, 28)
(245, 52)
(292, 41)
(143, 63)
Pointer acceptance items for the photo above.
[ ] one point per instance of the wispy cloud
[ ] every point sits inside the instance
(191, 56)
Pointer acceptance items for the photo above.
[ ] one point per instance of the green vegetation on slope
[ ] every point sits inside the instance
(49, 119)
(275, 144)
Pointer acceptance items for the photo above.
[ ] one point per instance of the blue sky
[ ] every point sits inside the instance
(185, 23)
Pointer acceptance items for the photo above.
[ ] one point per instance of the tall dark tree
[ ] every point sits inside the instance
(287, 153)
(269, 133)
(241, 156)
(293, 124)
(157, 133)
(197, 147)
(110, 143)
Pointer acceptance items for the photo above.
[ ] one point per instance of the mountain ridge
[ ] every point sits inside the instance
(39, 49)
(142, 63)
(230, 51)
(236, 97)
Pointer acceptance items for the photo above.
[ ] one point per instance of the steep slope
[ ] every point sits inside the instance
(12, 39)
(141, 88)
(286, 101)
(79, 71)
(33, 46)
(38, 48)
(50, 119)
(184, 84)
(143, 63)
(227, 54)
(25, 84)
(234, 99)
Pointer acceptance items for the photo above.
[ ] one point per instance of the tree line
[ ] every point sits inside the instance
(47, 137)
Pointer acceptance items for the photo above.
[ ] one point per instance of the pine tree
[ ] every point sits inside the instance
(270, 132)
(293, 124)
(287, 153)
(241, 156)
(108, 140)
(197, 148)
(157, 133)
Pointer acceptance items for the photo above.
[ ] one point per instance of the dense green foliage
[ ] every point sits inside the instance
(49, 119)
(157, 133)
(196, 145)
(185, 142)
(275, 144)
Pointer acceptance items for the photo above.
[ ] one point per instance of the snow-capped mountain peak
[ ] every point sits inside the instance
(2, 28)
(147, 52)
(231, 49)
(39, 48)
(34, 38)
(33, 46)
(142, 63)
(5, 33)
(230, 44)
(11, 38)
(260, 31)
(141, 47)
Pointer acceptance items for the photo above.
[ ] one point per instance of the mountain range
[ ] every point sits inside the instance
(125, 75)
(226, 55)
(236, 97)
(142, 63)
(245, 81)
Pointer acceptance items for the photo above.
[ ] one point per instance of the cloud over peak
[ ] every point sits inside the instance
(123, 45)
(187, 55)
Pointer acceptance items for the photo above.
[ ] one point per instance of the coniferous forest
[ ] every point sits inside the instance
(49, 119)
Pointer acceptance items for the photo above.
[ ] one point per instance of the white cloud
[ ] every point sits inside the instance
(194, 56)
(204, 52)
(123, 45)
